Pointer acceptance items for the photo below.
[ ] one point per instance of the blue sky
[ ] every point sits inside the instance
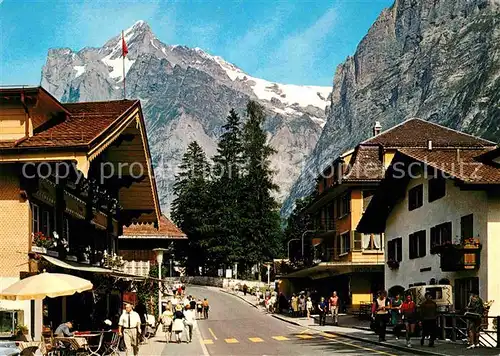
(298, 42)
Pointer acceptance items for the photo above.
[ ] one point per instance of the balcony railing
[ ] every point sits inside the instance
(323, 225)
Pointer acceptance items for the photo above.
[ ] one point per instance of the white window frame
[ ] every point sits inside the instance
(35, 218)
(46, 219)
(343, 250)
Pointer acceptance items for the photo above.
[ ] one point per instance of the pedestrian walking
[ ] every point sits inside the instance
(409, 314)
(206, 307)
(245, 289)
(167, 319)
(189, 319)
(334, 308)
(302, 305)
(178, 326)
(129, 327)
(309, 306)
(474, 314)
(428, 315)
(380, 311)
(199, 308)
(295, 305)
(396, 320)
(323, 310)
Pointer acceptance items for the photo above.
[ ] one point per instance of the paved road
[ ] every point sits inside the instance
(236, 328)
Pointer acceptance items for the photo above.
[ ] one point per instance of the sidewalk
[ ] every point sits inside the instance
(360, 334)
(158, 346)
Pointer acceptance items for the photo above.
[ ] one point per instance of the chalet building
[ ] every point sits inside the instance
(439, 209)
(139, 240)
(71, 175)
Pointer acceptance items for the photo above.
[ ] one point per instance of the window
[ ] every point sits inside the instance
(343, 205)
(440, 234)
(417, 244)
(345, 242)
(372, 241)
(467, 226)
(35, 218)
(415, 197)
(358, 241)
(437, 188)
(46, 223)
(367, 198)
(395, 249)
(65, 229)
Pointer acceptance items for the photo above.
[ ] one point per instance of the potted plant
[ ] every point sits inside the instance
(393, 264)
(41, 242)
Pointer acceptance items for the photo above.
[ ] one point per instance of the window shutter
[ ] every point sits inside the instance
(412, 246)
(434, 237)
(399, 249)
(391, 250)
(421, 244)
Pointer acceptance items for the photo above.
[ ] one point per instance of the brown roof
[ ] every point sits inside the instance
(365, 165)
(461, 164)
(86, 123)
(416, 133)
(166, 230)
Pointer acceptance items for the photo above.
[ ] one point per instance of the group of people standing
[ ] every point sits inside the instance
(302, 306)
(180, 315)
(407, 314)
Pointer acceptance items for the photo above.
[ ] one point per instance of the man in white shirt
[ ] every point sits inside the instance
(129, 326)
(189, 320)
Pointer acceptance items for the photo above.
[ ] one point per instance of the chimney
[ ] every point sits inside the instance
(377, 129)
(429, 145)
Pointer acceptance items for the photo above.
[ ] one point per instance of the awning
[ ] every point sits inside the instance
(76, 266)
(93, 269)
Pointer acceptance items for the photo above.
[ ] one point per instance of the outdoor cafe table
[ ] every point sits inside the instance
(29, 347)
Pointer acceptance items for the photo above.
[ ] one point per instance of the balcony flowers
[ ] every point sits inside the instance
(42, 243)
(113, 261)
(393, 264)
(468, 243)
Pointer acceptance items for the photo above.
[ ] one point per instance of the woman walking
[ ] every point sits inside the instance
(409, 311)
(178, 325)
(309, 306)
(189, 322)
(167, 318)
(295, 305)
(380, 310)
(396, 315)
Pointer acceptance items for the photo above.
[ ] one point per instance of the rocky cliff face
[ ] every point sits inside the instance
(186, 95)
(434, 59)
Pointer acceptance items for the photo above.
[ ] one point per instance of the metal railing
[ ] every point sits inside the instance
(455, 327)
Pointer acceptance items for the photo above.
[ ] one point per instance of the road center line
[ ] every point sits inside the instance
(211, 332)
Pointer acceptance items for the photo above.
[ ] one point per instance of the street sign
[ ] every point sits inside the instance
(229, 273)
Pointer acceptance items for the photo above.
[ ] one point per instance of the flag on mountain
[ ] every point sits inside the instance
(124, 47)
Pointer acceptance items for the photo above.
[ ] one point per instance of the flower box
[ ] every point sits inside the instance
(71, 258)
(52, 253)
(459, 257)
(392, 264)
(38, 249)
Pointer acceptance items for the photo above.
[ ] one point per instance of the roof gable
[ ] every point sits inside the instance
(417, 132)
(166, 230)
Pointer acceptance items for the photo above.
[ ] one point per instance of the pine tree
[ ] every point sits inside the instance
(263, 236)
(226, 244)
(190, 208)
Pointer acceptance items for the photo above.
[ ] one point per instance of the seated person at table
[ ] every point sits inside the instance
(63, 329)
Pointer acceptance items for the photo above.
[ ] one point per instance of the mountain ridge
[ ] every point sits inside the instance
(186, 93)
(437, 60)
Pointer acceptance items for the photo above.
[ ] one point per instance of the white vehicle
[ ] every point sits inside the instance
(442, 294)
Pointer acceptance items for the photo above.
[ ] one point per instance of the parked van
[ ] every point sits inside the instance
(442, 294)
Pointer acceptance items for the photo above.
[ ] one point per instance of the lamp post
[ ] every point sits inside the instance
(303, 234)
(159, 258)
(289, 247)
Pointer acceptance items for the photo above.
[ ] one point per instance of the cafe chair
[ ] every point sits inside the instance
(94, 349)
(112, 347)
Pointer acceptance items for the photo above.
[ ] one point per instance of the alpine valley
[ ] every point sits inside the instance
(186, 95)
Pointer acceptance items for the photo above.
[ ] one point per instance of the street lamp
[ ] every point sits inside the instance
(289, 247)
(303, 234)
(159, 258)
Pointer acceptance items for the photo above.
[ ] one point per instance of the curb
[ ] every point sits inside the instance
(240, 297)
(357, 338)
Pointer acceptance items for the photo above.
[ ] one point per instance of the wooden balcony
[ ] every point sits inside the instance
(459, 257)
